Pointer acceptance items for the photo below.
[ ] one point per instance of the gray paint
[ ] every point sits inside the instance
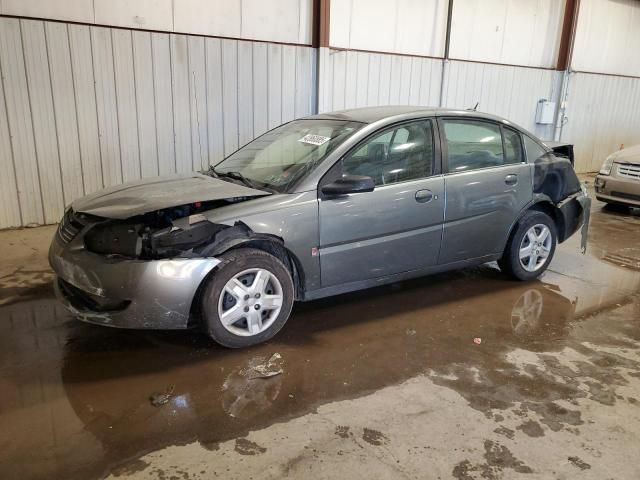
(292, 217)
(84, 107)
(160, 291)
(142, 196)
(338, 244)
(359, 231)
(480, 210)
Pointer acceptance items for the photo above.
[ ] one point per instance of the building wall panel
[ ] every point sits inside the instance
(71, 10)
(518, 32)
(414, 27)
(602, 115)
(198, 95)
(215, 113)
(147, 14)
(43, 117)
(94, 106)
(163, 102)
(20, 126)
(106, 105)
(125, 103)
(274, 85)
(84, 102)
(360, 79)
(608, 37)
(288, 21)
(511, 92)
(145, 103)
(9, 203)
(62, 86)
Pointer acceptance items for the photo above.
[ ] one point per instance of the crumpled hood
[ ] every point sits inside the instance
(627, 155)
(155, 193)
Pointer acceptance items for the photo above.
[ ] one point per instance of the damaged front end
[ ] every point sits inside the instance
(138, 272)
(167, 233)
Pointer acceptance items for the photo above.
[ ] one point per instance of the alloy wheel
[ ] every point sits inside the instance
(250, 302)
(535, 247)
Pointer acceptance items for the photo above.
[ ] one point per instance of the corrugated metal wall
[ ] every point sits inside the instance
(602, 114)
(358, 79)
(83, 107)
(508, 91)
(351, 79)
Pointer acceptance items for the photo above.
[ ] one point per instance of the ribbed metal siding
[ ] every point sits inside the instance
(511, 92)
(602, 114)
(358, 79)
(85, 107)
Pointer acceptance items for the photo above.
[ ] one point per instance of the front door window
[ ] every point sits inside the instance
(397, 155)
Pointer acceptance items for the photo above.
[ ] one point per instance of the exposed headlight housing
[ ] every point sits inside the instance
(607, 165)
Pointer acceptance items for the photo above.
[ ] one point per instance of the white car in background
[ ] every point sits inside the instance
(618, 182)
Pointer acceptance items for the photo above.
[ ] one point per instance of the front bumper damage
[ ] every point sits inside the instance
(126, 293)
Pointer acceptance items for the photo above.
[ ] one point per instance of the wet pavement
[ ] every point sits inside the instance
(384, 383)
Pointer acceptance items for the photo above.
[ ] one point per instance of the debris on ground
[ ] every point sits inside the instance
(270, 368)
(410, 332)
(477, 340)
(159, 399)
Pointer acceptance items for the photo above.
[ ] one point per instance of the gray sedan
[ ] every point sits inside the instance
(319, 206)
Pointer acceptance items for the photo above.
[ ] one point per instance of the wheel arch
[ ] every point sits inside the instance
(542, 203)
(246, 238)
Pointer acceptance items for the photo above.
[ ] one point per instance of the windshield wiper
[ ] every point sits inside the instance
(237, 176)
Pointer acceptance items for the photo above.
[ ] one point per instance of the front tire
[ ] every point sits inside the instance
(248, 299)
(531, 247)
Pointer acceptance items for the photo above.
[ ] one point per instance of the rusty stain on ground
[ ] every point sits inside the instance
(247, 447)
(505, 432)
(374, 437)
(531, 428)
(581, 464)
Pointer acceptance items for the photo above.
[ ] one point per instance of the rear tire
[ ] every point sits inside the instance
(248, 299)
(530, 247)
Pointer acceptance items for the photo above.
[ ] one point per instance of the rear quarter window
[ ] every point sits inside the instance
(534, 149)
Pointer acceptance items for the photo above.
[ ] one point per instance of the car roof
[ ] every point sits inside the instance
(374, 114)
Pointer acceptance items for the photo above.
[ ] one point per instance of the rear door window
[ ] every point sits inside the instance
(472, 145)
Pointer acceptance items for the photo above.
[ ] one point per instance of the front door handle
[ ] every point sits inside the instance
(424, 196)
(511, 179)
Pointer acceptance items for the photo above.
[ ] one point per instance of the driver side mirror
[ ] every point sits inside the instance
(349, 184)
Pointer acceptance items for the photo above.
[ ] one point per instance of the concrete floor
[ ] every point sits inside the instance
(386, 383)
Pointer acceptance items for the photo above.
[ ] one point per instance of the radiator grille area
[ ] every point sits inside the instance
(628, 170)
(69, 227)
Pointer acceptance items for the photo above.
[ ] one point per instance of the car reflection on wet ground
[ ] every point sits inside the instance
(553, 357)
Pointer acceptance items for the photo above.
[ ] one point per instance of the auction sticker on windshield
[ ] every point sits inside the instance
(314, 139)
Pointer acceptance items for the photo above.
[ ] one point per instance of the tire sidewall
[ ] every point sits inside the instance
(234, 262)
(529, 220)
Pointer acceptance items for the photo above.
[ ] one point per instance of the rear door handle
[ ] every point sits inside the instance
(425, 196)
(511, 179)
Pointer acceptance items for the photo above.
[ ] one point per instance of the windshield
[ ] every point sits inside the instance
(284, 155)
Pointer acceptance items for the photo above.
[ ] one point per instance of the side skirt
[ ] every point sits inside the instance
(397, 277)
